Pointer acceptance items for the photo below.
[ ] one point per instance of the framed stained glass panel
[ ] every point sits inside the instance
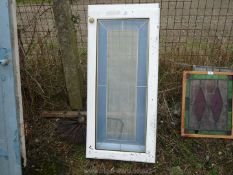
(207, 104)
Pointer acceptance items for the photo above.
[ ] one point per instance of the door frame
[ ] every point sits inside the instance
(123, 11)
(15, 60)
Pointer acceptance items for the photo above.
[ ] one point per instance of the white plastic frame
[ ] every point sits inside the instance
(124, 11)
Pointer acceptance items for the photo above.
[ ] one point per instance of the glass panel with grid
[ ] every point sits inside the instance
(122, 56)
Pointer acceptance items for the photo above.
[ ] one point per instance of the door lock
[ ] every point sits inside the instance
(91, 20)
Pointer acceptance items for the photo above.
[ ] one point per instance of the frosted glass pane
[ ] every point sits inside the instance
(122, 56)
(122, 46)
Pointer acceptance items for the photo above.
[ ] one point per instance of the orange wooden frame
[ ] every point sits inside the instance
(185, 73)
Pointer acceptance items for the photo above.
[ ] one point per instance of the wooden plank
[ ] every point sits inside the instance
(69, 51)
(183, 102)
(71, 114)
(208, 136)
(62, 114)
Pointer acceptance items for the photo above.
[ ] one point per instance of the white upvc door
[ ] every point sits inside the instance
(123, 45)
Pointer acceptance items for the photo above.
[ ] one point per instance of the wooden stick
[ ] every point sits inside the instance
(67, 39)
(72, 114)
(62, 114)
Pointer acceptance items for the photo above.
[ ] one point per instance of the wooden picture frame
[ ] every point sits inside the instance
(187, 129)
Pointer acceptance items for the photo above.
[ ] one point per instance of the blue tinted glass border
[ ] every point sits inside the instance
(130, 24)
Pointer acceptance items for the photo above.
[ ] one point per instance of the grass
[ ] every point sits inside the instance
(33, 1)
(43, 88)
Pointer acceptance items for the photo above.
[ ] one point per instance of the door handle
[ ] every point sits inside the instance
(4, 60)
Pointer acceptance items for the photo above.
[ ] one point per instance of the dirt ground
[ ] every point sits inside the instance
(49, 154)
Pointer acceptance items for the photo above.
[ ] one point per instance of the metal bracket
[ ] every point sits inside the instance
(4, 57)
(212, 69)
